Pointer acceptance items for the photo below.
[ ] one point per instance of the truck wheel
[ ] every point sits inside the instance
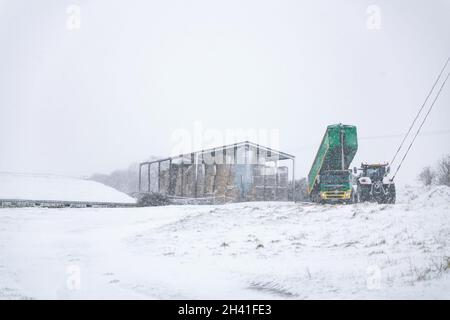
(360, 195)
(382, 200)
(391, 194)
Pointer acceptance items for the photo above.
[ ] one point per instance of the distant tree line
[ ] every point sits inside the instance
(438, 175)
(125, 180)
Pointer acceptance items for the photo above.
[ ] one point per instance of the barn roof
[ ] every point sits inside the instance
(270, 154)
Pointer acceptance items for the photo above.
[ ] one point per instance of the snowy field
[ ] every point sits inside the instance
(237, 251)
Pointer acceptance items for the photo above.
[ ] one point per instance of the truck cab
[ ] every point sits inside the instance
(336, 186)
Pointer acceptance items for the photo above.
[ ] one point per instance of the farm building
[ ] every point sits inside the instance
(238, 172)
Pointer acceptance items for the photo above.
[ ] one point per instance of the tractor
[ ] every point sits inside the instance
(373, 184)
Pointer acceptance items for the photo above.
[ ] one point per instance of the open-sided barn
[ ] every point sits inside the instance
(238, 172)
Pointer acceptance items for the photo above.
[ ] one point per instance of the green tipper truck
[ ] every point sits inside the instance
(330, 179)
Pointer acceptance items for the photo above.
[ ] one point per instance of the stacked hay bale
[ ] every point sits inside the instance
(282, 186)
(182, 180)
(173, 179)
(200, 181)
(185, 182)
(210, 175)
(221, 179)
(270, 190)
(211, 181)
(164, 180)
(226, 182)
(256, 192)
(188, 180)
(232, 192)
(178, 179)
(224, 186)
(269, 184)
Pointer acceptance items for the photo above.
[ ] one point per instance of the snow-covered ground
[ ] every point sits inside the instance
(17, 186)
(246, 250)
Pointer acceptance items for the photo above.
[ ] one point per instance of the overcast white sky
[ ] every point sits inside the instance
(112, 92)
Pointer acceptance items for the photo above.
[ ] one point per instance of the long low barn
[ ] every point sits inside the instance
(238, 172)
(20, 189)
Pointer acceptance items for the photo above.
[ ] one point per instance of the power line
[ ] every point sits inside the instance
(380, 137)
(420, 111)
(421, 125)
(425, 133)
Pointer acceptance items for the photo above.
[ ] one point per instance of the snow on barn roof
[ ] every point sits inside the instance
(22, 186)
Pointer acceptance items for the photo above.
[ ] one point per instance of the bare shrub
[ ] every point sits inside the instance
(443, 171)
(152, 200)
(427, 176)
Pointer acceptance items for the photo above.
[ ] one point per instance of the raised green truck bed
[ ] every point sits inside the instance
(336, 152)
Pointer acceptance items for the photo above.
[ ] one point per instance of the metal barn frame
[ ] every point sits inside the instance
(198, 158)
